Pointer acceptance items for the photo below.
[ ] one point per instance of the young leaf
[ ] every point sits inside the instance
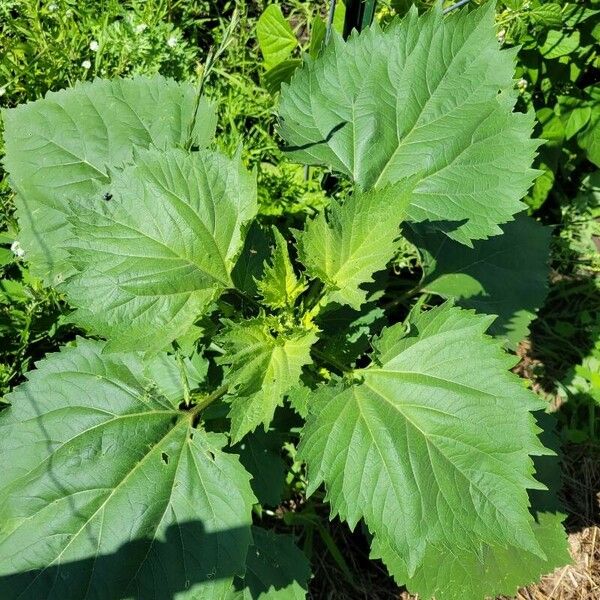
(275, 36)
(432, 447)
(506, 275)
(346, 246)
(420, 99)
(276, 569)
(279, 286)
(109, 491)
(262, 368)
(62, 147)
(152, 259)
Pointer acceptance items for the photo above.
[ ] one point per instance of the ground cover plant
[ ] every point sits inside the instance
(143, 459)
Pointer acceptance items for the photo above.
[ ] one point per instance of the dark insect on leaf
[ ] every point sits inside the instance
(107, 196)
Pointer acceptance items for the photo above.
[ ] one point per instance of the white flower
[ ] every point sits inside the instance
(140, 28)
(86, 64)
(522, 84)
(17, 250)
(52, 7)
(501, 35)
(172, 42)
(94, 45)
(2, 91)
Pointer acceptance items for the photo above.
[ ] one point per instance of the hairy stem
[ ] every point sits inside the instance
(331, 361)
(218, 393)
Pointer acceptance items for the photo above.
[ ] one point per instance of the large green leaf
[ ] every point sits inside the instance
(264, 363)
(506, 275)
(151, 259)
(432, 446)
(61, 148)
(108, 491)
(456, 574)
(276, 569)
(347, 245)
(427, 98)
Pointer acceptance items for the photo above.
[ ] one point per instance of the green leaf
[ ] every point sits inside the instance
(61, 149)
(152, 259)
(109, 491)
(431, 447)
(420, 99)
(251, 263)
(317, 36)
(559, 43)
(454, 574)
(260, 455)
(549, 14)
(589, 138)
(344, 247)
(299, 397)
(275, 36)
(279, 286)
(339, 17)
(576, 119)
(346, 333)
(264, 363)
(281, 73)
(276, 569)
(506, 275)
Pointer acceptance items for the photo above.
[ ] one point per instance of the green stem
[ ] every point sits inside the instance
(218, 393)
(245, 297)
(184, 380)
(403, 297)
(331, 361)
(329, 21)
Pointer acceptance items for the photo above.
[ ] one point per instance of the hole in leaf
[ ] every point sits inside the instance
(165, 458)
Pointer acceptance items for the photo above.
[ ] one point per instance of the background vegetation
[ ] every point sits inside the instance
(47, 45)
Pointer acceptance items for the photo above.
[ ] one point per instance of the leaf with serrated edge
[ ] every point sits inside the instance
(506, 275)
(152, 259)
(109, 491)
(457, 574)
(262, 368)
(276, 569)
(433, 446)
(62, 147)
(279, 285)
(420, 99)
(353, 240)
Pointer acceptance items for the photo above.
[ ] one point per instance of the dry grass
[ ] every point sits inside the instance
(581, 497)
